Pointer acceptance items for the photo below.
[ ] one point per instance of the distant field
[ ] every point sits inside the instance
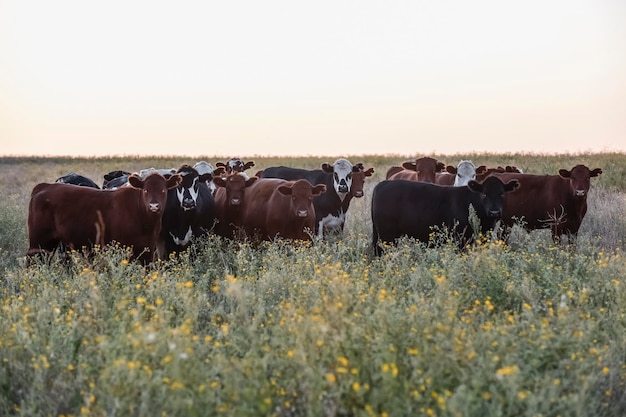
(526, 328)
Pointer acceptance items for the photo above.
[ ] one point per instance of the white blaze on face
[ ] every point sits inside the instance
(465, 172)
(193, 191)
(342, 177)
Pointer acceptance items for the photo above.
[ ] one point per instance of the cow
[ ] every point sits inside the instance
(330, 207)
(458, 176)
(414, 209)
(115, 179)
(66, 216)
(235, 165)
(203, 167)
(229, 202)
(277, 208)
(421, 169)
(77, 179)
(189, 212)
(558, 202)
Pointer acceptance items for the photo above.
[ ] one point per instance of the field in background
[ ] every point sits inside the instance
(524, 329)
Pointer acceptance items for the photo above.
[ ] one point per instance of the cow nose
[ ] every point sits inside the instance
(303, 213)
(495, 213)
(343, 188)
(235, 201)
(188, 204)
(154, 207)
(358, 194)
(580, 193)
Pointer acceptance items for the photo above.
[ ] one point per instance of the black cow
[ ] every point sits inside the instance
(77, 179)
(413, 209)
(331, 206)
(189, 211)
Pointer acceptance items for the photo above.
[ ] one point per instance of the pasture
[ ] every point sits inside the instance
(522, 328)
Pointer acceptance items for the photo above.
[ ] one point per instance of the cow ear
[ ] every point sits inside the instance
(219, 181)
(135, 181)
(369, 172)
(205, 177)
(251, 181)
(475, 186)
(451, 170)
(173, 181)
(511, 185)
(259, 173)
(440, 167)
(248, 164)
(481, 169)
(327, 168)
(284, 190)
(358, 167)
(409, 165)
(564, 173)
(595, 172)
(220, 164)
(319, 189)
(219, 171)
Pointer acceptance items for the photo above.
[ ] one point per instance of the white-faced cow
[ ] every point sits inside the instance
(230, 197)
(279, 208)
(330, 207)
(458, 176)
(557, 202)
(409, 208)
(422, 169)
(189, 212)
(204, 167)
(77, 179)
(66, 216)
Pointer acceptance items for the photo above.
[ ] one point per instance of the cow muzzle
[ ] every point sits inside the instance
(580, 193)
(303, 213)
(188, 204)
(154, 207)
(494, 213)
(358, 194)
(343, 188)
(235, 201)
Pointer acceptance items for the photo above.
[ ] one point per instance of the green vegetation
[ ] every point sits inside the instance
(527, 328)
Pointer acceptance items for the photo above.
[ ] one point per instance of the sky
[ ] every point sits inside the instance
(320, 78)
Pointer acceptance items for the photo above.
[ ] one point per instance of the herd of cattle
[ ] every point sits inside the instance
(158, 212)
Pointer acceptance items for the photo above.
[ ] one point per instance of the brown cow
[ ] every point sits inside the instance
(555, 201)
(422, 169)
(229, 202)
(280, 208)
(80, 217)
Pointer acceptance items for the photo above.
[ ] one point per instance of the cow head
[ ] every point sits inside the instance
(235, 185)
(491, 192)
(301, 192)
(425, 167)
(342, 176)
(188, 190)
(154, 188)
(465, 172)
(358, 179)
(235, 165)
(580, 179)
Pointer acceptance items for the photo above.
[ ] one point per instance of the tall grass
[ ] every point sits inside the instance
(319, 329)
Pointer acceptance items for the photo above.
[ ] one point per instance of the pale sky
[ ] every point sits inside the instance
(242, 78)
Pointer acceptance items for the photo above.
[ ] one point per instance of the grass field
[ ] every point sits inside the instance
(526, 328)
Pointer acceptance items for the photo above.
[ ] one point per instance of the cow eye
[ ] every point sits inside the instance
(349, 176)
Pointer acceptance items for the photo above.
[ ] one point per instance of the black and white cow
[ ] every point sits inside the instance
(189, 211)
(115, 179)
(77, 179)
(330, 207)
(413, 209)
(235, 165)
(204, 167)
